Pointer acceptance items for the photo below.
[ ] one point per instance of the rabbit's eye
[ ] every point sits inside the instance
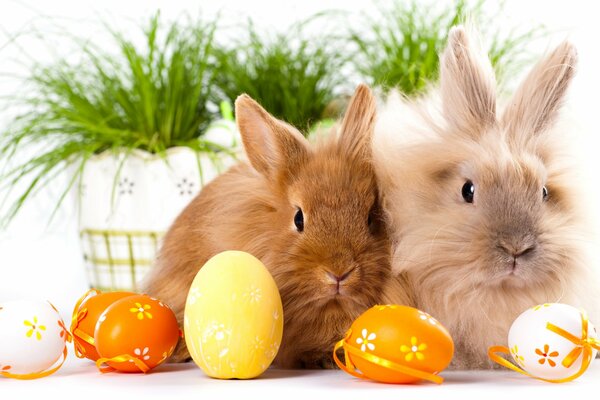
(372, 224)
(373, 220)
(545, 193)
(299, 220)
(468, 191)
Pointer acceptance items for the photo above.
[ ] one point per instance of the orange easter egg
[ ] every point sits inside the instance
(397, 344)
(135, 334)
(85, 317)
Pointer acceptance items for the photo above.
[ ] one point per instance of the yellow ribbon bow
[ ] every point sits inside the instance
(119, 359)
(584, 345)
(382, 362)
(78, 316)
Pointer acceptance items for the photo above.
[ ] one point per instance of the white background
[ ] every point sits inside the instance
(44, 261)
(78, 380)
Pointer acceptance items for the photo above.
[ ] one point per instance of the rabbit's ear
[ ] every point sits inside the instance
(468, 86)
(358, 124)
(537, 101)
(272, 146)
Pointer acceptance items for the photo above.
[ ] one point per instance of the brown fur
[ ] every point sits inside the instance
(251, 208)
(460, 257)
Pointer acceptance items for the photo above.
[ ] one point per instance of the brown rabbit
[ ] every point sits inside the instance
(309, 213)
(484, 209)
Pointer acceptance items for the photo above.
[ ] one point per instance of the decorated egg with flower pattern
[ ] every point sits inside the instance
(33, 339)
(85, 318)
(539, 345)
(233, 319)
(135, 334)
(396, 344)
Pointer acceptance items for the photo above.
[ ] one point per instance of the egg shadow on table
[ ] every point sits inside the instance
(278, 373)
(271, 373)
(451, 378)
(467, 377)
(174, 367)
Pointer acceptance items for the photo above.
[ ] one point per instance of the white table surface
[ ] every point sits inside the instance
(78, 379)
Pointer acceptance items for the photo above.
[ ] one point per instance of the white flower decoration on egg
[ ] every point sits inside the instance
(365, 341)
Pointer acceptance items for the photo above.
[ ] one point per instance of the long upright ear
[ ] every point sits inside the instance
(358, 124)
(537, 101)
(468, 86)
(274, 148)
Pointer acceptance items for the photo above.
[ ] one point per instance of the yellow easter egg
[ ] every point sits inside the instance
(233, 319)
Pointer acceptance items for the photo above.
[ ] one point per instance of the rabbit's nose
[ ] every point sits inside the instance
(517, 251)
(338, 278)
(524, 251)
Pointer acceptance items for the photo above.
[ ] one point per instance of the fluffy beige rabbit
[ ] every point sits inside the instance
(483, 212)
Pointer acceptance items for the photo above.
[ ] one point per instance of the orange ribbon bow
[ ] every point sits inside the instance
(78, 316)
(120, 358)
(382, 362)
(55, 367)
(584, 346)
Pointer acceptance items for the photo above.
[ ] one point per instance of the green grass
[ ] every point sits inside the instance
(151, 97)
(293, 75)
(401, 45)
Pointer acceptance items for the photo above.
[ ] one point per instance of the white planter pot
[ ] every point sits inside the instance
(128, 201)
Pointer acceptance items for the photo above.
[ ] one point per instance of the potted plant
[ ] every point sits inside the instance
(137, 131)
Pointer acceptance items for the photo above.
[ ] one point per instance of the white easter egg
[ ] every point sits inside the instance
(541, 351)
(33, 336)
